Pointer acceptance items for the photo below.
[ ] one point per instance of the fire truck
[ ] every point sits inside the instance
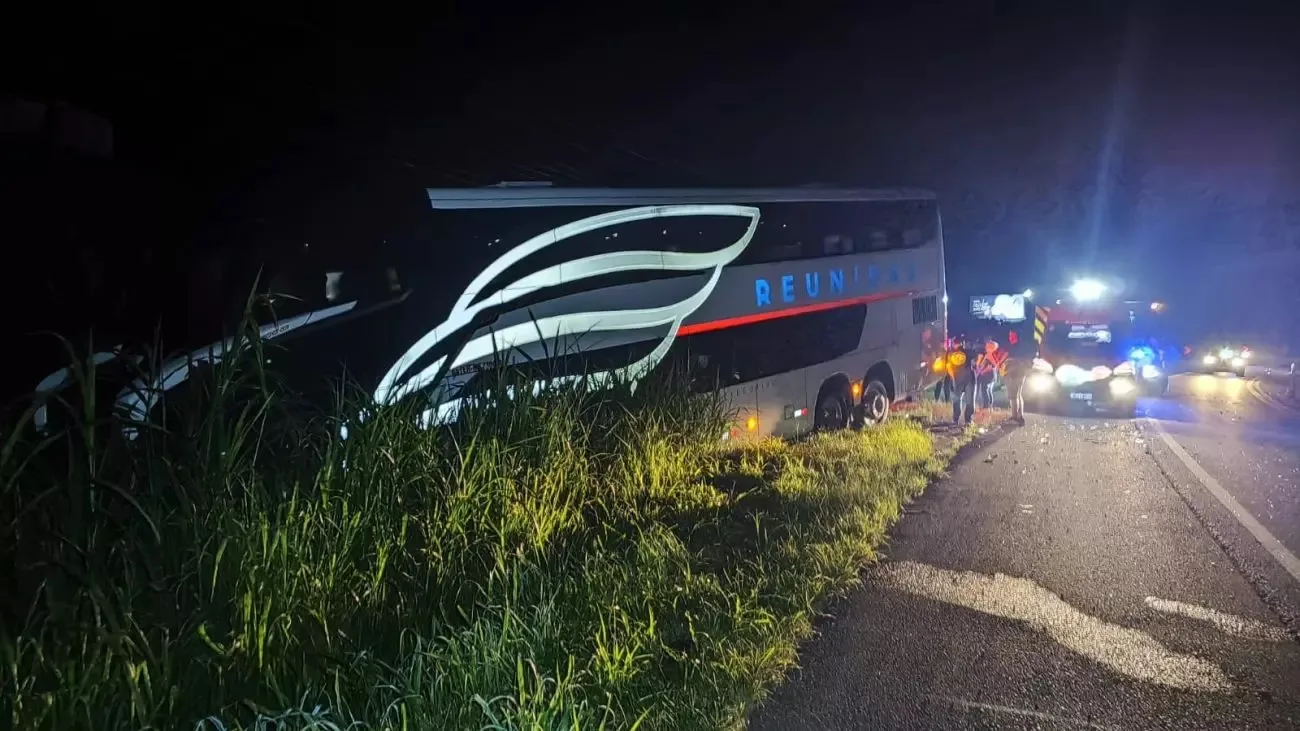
(1099, 355)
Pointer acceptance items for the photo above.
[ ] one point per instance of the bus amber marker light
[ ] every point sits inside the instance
(751, 424)
(856, 390)
(475, 299)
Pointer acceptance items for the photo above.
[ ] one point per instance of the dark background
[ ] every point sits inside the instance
(1154, 142)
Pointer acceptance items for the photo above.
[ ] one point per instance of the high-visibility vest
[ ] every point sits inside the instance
(955, 361)
(988, 362)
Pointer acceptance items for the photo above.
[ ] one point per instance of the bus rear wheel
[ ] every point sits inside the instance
(875, 403)
(832, 412)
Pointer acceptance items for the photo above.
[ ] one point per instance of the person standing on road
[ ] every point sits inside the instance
(961, 369)
(942, 387)
(987, 370)
(1019, 362)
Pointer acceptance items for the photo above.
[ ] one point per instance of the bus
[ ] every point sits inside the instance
(809, 309)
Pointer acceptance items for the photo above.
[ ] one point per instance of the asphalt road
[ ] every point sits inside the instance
(1244, 434)
(1082, 573)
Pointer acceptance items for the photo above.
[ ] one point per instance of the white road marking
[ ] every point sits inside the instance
(1270, 542)
(1012, 711)
(1229, 623)
(1257, 389)
(1127, 651)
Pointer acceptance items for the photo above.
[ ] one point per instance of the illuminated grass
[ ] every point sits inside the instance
(570, 561)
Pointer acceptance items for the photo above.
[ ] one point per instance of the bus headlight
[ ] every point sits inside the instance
(1209, 360)
(1150, 372)
(1238, 362)
(1122, 387)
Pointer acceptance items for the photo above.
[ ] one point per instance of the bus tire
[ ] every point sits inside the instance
(875, 403)
(832, 412)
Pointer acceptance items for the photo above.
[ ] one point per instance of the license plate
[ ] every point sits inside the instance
(1081, 396)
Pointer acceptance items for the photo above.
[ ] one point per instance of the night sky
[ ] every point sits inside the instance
(1142, 140)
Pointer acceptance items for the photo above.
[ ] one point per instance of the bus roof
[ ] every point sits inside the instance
(540, 196)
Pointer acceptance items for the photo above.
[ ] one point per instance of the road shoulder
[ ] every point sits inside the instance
(1056, 578)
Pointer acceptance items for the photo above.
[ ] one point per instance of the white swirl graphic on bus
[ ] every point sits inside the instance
(392, 388)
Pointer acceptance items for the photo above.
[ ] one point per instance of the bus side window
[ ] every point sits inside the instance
(703, 373)
(836, 244)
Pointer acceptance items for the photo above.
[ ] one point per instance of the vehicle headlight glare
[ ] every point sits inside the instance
(1087, 290)
(1122, 387)
(1209, 360)
(1041, 383)
(1072, 375)
(1150, 372)
(1238, 362)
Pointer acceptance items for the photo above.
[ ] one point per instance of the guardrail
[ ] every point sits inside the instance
(1290, 391)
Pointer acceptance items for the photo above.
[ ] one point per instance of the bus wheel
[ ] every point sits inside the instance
(875, 403)
(832, 411)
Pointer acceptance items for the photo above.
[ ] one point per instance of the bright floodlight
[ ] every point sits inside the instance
(1085, 290)
(1029, 294)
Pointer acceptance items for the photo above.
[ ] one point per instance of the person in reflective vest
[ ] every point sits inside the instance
(961, 369)
(990, 364)
(1017, 369)
(943, 386)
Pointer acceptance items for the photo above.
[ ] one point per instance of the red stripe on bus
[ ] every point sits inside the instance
(711, 325)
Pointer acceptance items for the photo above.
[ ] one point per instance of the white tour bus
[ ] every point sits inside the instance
(808, 308)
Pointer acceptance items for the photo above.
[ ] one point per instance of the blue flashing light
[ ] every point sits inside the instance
(1142, 354)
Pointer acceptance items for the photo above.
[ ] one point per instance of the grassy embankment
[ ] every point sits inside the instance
(571, 560)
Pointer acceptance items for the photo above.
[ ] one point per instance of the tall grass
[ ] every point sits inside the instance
(567, 560)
